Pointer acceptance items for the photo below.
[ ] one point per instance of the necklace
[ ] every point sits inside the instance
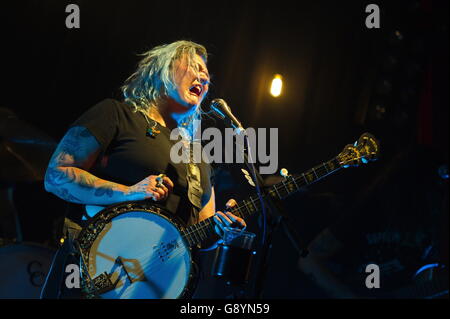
(151, 131)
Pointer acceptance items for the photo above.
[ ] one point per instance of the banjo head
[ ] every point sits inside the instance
(135, 250)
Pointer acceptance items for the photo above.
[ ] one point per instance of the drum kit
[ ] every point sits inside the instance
(27, 239)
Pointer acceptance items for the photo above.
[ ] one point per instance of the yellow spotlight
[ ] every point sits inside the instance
(61, 241)
(277, 84)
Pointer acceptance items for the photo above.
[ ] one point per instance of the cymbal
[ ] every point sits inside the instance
(18, 131)
(24, 150)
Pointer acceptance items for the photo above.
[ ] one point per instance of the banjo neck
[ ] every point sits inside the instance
(197, 233)
(363, 151)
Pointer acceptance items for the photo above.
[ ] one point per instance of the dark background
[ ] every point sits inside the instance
(340, 80)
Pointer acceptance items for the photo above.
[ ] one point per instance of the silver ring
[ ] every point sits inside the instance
(159, 180)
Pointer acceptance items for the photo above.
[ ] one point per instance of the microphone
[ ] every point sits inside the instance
(221, 109)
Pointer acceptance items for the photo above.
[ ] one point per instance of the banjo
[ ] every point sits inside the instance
(138, 250)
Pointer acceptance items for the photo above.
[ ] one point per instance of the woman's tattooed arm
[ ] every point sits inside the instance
(67, 175)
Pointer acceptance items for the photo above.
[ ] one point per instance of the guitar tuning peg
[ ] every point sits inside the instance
(284, 172)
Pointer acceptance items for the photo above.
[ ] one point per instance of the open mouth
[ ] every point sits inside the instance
(196, 89)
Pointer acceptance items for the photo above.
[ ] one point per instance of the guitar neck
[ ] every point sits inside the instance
(197, 233)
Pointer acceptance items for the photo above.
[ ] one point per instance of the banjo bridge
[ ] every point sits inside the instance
(103, 282)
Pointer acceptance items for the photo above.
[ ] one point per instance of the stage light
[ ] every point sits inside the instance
(277, 84)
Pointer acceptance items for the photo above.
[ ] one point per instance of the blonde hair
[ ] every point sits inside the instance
(154, 77)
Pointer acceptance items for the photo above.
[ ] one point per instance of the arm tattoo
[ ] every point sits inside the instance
(104, 190)
(68, 171)
(56, 177)
(64, 194)
(85, 180)
(73, 153)
(73, 142)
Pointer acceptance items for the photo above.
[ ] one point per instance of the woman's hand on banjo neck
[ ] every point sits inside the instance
(228, 219)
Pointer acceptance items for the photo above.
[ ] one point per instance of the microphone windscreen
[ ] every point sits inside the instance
(217, 106)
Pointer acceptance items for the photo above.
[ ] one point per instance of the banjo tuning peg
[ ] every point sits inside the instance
(284, 172)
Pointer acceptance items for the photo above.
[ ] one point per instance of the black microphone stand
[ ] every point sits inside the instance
(276, 217)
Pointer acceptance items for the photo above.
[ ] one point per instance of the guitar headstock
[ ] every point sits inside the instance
(365, 149)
